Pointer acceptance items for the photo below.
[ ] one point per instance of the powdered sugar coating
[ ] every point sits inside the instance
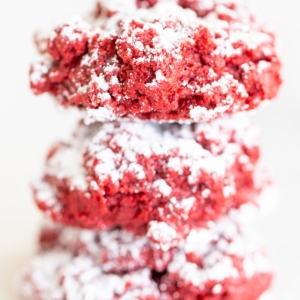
(118, 250)
(161, 60)
(208, 260)
(57, 275)
(129, 174)
(115, 250)
(222, 261)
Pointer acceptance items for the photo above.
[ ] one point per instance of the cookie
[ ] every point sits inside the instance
(184, 61)
(223, 261)
(165, 177)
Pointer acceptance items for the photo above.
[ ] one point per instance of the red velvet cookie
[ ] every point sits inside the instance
(220, 262)
(160, 60)
(169, 178)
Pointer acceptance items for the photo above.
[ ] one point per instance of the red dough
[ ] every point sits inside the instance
(161, 60)
(170, 178)
(232, 289)
(222, 262)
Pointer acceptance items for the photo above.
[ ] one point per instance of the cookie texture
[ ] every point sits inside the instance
(220, 262)
(185, 61)
(152, 178)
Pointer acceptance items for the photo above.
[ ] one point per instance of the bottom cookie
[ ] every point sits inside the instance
(220, 262)
(58, 275)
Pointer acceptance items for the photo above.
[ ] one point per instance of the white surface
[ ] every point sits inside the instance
(29, 124)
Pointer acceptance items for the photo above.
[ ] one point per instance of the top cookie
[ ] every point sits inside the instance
(172, 60)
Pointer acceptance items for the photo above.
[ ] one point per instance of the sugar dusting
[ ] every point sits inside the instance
(172, 28)
(58, 275)
(163, 234)
(68, 161)
(77, 252)
(140, 162)
(216, 246)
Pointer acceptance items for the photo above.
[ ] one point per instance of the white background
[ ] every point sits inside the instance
(28, 125)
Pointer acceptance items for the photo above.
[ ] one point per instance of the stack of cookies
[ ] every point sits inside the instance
(151, 196)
